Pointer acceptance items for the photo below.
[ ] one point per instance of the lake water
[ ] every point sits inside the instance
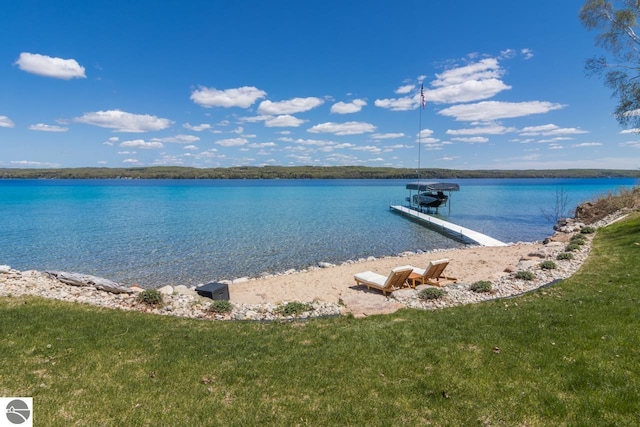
(157, 232)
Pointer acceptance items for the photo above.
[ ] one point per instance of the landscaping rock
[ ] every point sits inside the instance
(325, 265)
(166, 290)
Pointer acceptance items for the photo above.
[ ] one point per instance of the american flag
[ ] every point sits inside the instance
(424, 102)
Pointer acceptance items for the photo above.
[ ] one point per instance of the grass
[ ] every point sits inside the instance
(564, 355)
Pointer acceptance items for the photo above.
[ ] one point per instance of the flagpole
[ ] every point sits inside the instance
(420, 107)
(420, 132)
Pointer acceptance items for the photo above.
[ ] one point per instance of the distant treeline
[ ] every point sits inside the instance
(304, 172)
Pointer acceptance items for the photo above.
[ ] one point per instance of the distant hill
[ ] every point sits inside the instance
(303, 172)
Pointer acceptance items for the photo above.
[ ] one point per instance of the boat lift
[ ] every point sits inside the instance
(429, 196)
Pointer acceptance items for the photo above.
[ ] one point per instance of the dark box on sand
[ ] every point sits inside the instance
(214, 290)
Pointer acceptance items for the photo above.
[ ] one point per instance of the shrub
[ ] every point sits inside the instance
(572, 247)
(548, 265)
(525, 275)
(590, 212)
(220, 306)
(293, 308)
(150, 297)
(578, 239)
(588, 230)
(432, 293)
(481, 286)
(564, 256)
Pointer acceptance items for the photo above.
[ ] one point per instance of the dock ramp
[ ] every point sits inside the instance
(450, 228)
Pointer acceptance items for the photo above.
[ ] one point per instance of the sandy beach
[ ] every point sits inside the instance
(336, 283)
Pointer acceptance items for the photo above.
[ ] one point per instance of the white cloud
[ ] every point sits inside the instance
(348, 128)
(623, 132)
(111, 141)
(179, 139)
(468, 91)
(232, 142)
(538, 130)
(348, 107)
(47, 66)
(587, 144)
(131, 161)
(368, 148)
(556, 139)
(197, 128)
(6, 122)
(255, 119)
(387, 135)
(485, 69)
(316, 142)
(507, 54)
(291, 106)
(424, 133)
(242, 97)
(47, 128)
(482, 130)
(300, 159)
(190, 147)
(405, 89)
(344, 145)
(632, 144)
(550, 130)
(124, 122)
(472, 140)
(142, 144)
(32, 164)
(494, 110)
(398, 104)
(471, 82)
(284, 120)
(527, 53)
(263, 145)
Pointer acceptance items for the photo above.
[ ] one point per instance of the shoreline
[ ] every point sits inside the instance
(330, 289)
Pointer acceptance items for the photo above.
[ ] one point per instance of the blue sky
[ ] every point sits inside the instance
(233, 83)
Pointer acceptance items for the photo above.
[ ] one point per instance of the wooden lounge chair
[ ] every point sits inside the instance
(397, 279)
(432, 274)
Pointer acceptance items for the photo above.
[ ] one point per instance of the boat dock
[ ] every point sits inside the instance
(450, 228)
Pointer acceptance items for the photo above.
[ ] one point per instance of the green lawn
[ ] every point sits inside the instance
(565, 355)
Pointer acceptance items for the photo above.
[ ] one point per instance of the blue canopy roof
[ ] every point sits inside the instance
(433, 186)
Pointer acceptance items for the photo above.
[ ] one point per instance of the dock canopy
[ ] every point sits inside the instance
(433, 186)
